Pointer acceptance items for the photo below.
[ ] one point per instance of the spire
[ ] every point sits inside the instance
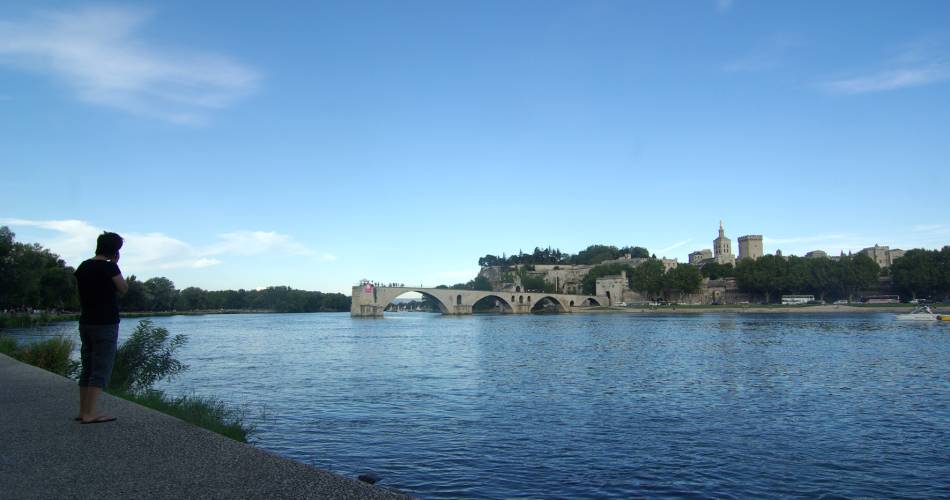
(721, 231)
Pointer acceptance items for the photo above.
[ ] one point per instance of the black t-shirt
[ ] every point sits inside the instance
(98, 296)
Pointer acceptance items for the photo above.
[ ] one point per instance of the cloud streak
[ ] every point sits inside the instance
(101, 54)
(913, 67)
(674, 246)
(768, 55)
(74, 241)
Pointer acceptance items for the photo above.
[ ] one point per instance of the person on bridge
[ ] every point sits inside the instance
(100, 282)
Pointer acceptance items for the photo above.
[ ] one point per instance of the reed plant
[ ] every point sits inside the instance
(207, 412)
(51, 355)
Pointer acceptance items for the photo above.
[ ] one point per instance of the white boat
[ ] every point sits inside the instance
(923, 313)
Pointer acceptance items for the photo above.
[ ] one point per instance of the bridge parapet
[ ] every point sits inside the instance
(370, 301)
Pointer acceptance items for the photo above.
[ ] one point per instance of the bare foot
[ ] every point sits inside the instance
(99, 420)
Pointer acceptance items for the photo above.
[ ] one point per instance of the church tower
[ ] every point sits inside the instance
(722, 248)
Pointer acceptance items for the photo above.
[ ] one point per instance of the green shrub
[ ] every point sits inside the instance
(146, 357)
(51, 355)
(7, 345)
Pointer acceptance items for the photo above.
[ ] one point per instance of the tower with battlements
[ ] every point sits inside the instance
(750, 246)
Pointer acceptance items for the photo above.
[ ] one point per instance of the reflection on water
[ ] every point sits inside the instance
(589, 406)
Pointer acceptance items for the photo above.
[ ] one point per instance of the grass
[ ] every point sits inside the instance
(52, 355)
(206, 412)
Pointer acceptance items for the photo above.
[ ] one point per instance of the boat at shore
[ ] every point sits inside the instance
(923, 313)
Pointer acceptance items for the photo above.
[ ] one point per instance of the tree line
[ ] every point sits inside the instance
(594, 254)
(771, 276)
(923, 274)
(649, 278)
(160, 294)
(32, 277)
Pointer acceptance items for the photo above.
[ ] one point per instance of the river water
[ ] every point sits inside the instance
(588, 406)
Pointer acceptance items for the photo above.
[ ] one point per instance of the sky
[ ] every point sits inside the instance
(313, 144)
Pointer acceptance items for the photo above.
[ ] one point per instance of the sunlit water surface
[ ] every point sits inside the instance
(576, 406)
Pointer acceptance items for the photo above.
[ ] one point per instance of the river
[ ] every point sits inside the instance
(587, 406)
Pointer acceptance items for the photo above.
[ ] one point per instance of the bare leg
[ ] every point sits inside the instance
(88, 396)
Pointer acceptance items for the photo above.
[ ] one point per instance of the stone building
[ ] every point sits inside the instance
(816, 254)
(696, 258)
(750, 246)
(612, 287)
(722, 248)
(883, 255)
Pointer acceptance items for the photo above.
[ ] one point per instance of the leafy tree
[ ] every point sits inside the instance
(191, 299)
(163, 294)
(683, 279)
(535, 284)
(595, 254)
(635, 252)
(145, 358)
(647, 278)
(138, 298)
(918, 273)
(715, 270)
(481, 283)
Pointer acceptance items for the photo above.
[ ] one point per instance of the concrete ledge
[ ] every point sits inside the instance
(145, 454)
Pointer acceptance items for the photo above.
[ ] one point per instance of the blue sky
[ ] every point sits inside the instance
(238, 145)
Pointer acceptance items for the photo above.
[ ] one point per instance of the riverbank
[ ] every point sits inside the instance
(761, 309)
(45, 454)
(8, 320)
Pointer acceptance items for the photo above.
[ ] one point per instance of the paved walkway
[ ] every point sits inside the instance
(145, 454)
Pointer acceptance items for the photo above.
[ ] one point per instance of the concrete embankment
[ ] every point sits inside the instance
(44, 453)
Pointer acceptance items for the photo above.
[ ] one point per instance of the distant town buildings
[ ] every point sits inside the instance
(569, 278)
(699, 256)
(750, 246)
(883, 255)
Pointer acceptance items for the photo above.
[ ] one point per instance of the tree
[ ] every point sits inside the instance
(647, 278)
(683, 279)
(917, 273)
(595, 254)
(481, 283)
(163, 294)
(191, 299)
(715, 270)
(635, 252)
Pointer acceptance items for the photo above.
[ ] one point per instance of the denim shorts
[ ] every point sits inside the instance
(97, 354)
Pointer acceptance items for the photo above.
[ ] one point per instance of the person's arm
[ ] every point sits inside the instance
(120, 284)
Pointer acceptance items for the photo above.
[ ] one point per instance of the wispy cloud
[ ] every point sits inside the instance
(146, 253)
(767, 55)
(102, 55)
(725, 5)
(912, 67)
(672, 247)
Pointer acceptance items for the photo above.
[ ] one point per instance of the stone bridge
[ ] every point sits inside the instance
(372, 301)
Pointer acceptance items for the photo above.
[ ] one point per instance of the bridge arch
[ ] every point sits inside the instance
(506, 306)
(386, 297)
(549, 299)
